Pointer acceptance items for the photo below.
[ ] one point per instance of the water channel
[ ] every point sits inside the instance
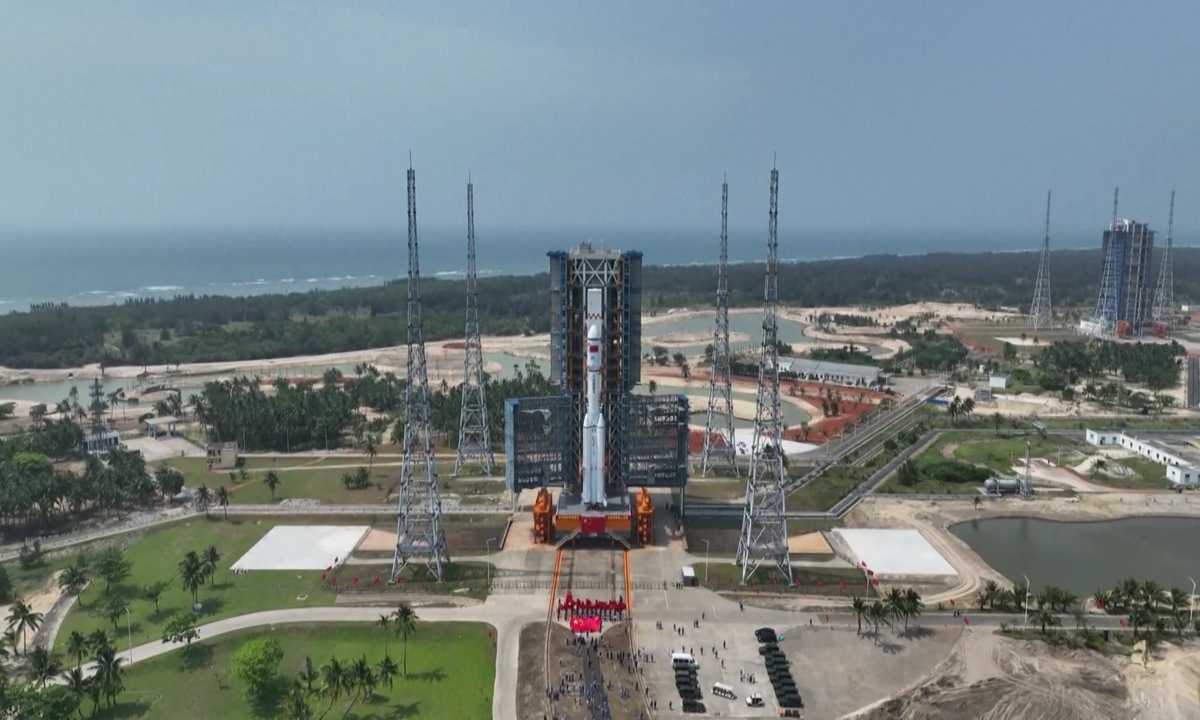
(1085, 556)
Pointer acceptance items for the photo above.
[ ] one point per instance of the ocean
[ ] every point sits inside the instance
(82, 268)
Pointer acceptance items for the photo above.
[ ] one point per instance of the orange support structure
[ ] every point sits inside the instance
(543, 518)
(644, 515)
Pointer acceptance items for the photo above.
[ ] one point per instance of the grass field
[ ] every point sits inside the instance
(727, 576)
(716, 489)
(998, 452)
(1144, 475)
(451, 672)
(156, 556)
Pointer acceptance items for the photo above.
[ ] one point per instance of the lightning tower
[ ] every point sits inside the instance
(1163, 313)
(764, 524)
(719, 441)
(1104, 318)
(474, 438)
(419, 534)
(1040, 316)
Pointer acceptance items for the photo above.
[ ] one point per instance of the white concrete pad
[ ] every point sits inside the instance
(744, 440)
(163, 448)
(302, 547)
(895, 551)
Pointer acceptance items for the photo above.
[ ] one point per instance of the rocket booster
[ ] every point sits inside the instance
(593, 426)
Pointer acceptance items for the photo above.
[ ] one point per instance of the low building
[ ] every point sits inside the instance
(99, 442)
(998, 382)
(1180, 457)
(157, 427)
(831, 372)
(220, 456)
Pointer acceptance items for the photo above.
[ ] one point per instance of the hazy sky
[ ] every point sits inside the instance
(885, 115)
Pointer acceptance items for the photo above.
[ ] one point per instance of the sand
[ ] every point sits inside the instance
(812, 543)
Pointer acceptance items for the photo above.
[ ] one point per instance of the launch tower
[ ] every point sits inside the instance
(596, 440)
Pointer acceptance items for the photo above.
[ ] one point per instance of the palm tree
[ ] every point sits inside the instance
(191, 572)
(309, 675)
(77, 684)
(860, 610)
(210, 559)
(404, 620)
(362, 679)
(371, 449)
(384, 623)
(1153, 595)
(1139, 617)
(913, 605)
(1045, 616)
(333, 682)
(72, 579)
(271, 480)
(24, 619)
(1102, 598)
(223, 500)
(77, 647)
(98, 640)
(294, 704)
(386, 670)
(108, 674)
(43, 665)
(894, 602)
(203, 495)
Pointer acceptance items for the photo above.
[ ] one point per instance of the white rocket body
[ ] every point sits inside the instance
(593, 427)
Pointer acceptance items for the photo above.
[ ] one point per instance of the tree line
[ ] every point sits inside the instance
(204, 328)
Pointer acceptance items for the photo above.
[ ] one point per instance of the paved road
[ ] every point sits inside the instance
(506, 613)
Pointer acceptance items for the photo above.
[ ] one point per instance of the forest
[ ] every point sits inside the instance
(214, 328)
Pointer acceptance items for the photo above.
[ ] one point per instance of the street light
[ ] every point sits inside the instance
(488, 562)
(706, 563)
(1026, 601)
(129, 627)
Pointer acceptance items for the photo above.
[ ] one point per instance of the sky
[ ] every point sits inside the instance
(880, 115)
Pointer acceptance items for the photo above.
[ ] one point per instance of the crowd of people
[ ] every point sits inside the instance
(571, 607)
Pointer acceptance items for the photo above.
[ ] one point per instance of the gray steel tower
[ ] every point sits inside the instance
(1040, 316)
(764, 523)
(474, 436)
(419, 534)
(1108, 299)
(719, 441)
(1163, 314)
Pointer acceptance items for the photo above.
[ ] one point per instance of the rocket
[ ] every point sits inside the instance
(593, 427)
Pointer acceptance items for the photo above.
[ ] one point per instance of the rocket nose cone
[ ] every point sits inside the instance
(594, 332)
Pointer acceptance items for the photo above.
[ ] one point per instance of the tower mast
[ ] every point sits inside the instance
(719, 441)
(1040, 315)
(419, 533)
(764, 523)
(474, 437)
(1104, 318)
(1164, 295)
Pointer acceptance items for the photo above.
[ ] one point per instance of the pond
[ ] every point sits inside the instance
(1085, 556)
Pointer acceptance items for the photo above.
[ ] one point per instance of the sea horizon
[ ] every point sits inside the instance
(105, 268)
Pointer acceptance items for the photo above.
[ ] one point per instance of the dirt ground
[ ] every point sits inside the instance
(567, 663)
(989, 676)
(531, 675)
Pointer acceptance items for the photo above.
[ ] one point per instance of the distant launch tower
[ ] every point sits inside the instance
(1123, 301)
(1040, 315)
(764, 520)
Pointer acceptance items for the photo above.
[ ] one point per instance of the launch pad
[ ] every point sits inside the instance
(597, 441)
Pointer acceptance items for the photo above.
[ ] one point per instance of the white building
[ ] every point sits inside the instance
(1180, 457)
(998, 382)
(220, 456)
(831, 372)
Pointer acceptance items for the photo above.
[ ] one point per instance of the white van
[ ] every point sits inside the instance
(723, 690)
(682, 660)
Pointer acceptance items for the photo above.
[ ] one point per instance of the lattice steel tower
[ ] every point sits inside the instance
(419, 534)
(474, 435)
(764, 524)
(1163, 313)
(1040, 316)
(719, 442)
(1104, 318)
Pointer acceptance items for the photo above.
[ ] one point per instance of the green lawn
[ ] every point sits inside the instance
(716, 489)
(1147, 474)
(451, 673)
(156, 557)
(998, 453)
(727, 576)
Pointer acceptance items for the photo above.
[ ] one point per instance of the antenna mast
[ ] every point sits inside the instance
(474, 438)
(1104, 318)
(1163, 313)
(764, 522)
(419, 533)
(719, 442)
(1040, 315)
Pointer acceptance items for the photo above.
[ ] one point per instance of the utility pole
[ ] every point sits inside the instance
(764, 522)
(419, 533)
(474, 433)
(719, 421)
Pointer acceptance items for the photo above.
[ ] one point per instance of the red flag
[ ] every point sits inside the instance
(875, 581)
(871, 572)
(376, 579)
(818, 582)
(843, 584)
(774, 580)
(864, 583)
(864, 562)
(322, 576)
(966, 621)
(328, 568)
(826, 618)
(1122, 622)
(1099, 606)
(335, 581)
(335, 560)
(355, 580)
(951, 602)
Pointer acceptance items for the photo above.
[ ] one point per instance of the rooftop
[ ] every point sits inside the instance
(817, 367)
(165, 420)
